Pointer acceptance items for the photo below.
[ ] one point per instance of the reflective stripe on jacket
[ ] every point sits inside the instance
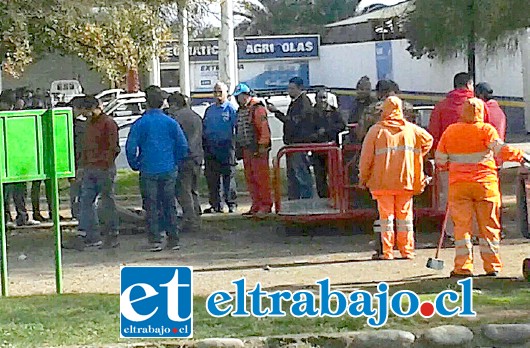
(468, 148)
(392, 153)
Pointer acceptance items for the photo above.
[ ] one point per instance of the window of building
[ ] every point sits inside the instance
(169, 78)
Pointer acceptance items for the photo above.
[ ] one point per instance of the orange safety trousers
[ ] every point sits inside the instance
(398, 208)
(257, 175)
(482, 200)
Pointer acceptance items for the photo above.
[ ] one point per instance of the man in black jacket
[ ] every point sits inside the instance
(189, 170)
(328, 123)
(297, 128)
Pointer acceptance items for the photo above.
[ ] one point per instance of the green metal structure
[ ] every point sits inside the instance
(36, 145)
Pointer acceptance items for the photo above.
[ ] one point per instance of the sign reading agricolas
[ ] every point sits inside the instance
(252, 48)
(158, 302)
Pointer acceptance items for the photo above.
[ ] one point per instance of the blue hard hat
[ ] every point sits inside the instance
(241, 88)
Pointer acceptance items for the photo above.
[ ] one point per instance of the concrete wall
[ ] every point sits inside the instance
(342, 65)
(56, 67)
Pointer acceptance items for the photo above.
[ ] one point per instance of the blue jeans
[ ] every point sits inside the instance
(75, 197)
(300, 180)
(98, 183)
(158, 193)
(215, 172)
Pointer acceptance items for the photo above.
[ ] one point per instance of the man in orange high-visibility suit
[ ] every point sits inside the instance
(253, 139)
(468, 149)
(391, 167)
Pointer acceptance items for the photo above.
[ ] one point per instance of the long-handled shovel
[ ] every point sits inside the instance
(435, 263)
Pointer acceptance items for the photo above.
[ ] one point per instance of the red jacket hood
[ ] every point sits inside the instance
(459, 96)
(448, 111)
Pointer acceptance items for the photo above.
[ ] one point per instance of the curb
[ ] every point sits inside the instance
(490, 335)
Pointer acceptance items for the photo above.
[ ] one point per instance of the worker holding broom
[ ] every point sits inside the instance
(468, 149)
(391, 167)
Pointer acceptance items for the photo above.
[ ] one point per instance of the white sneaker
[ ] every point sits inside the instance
(11, 224)
(33, 223)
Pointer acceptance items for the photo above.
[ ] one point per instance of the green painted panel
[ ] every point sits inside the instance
(64, 142)
(23, 146)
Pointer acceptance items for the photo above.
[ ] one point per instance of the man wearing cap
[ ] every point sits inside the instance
(497, 117)
(253, 137)
(362, 101)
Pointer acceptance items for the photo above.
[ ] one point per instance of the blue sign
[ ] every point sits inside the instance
(252, 48)
(278, 76)
(383, 60)
(156, 302)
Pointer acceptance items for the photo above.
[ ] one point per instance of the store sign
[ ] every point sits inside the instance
(252, 48)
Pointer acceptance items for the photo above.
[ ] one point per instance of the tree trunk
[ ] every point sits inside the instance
(471, 58)
(133, 81)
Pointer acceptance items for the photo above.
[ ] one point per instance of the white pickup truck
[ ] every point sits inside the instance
(65, 90)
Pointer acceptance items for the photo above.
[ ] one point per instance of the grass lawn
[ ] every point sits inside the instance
(94, 318)
(127, 182)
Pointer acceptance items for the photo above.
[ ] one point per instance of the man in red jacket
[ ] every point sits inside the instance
(445, 113)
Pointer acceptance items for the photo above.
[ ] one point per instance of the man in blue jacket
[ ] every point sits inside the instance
(219, 124)
(155, 147)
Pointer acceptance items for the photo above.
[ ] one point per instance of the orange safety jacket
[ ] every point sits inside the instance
(392, 153)
(468, 148)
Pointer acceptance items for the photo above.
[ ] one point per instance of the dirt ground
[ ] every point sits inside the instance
(231, 247)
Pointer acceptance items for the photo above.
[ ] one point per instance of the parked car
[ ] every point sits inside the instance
(124, 129)
(126, 110)
(109, 95)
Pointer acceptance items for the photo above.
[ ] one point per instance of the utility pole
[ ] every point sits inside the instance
(154, 74)
(1, 75)
(184, 58)
(525, 58)
(227, 59)
(471, 48)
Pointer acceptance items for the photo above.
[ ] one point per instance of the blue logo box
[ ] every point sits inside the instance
(156, 302)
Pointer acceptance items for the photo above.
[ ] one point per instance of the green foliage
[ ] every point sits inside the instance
(445, 27)
(112, 36)
(113, 39)
(297, 17)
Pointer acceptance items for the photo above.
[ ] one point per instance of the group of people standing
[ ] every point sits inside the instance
(170, 142)
(466, 138)
(25, 99)
(158, 149)
(243, 133)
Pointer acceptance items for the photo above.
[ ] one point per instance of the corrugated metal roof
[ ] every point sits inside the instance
(387, 12)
